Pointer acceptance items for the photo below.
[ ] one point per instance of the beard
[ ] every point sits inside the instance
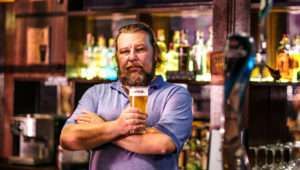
(136, 78)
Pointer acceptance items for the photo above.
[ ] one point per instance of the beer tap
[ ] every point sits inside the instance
(239, 63)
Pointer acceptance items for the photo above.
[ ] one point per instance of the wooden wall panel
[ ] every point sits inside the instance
(10, 34)
(2, 33)
(267, 114)
(58, 39)
(40, 6)
(2, 99)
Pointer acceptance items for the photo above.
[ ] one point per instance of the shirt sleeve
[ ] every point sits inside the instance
(87, 102)
(176, 119)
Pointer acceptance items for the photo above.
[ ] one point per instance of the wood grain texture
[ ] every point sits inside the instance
(58, 39)
(40, 6)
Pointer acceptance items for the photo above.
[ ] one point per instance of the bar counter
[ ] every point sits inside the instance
(7, 166)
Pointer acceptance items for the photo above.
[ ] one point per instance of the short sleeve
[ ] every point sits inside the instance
(176, 119)
(87, 102)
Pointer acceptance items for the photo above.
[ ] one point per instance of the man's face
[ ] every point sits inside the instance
(136, 59)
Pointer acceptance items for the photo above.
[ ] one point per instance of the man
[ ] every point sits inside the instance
(104, 122)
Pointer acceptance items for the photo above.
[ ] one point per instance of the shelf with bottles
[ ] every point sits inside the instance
(183, 35)
(194, 155)
(287, 63)
(288, 58)
(282, 46)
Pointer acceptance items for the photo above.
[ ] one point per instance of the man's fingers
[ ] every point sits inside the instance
(134, 110)
(87, 112)
(136, 116)
(137, 122)
(82, 118)
(140, 127)
(137, 129)
(81, 122)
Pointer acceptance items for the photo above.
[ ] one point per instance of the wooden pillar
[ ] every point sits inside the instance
(230, 16)
(7, 117)
(7, 43)
(2, 33)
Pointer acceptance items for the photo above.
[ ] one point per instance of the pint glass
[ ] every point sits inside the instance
(138, 97)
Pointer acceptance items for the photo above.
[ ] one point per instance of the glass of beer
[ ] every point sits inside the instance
(138, 97)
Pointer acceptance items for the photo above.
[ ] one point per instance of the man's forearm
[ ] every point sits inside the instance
(151, 142)
(88, 136)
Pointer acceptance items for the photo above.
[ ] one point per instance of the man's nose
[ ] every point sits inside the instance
(132, 55)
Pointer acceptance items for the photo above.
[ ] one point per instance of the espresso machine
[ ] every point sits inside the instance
(35, 138)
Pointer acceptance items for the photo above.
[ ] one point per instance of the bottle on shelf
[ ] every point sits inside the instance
(161, 68)
(295, 57)
(100, 52)
(194, 153)
(209, 48)
(88, 48)
(183, 52)
(198, 54)
(176, 39)
(112, 68)
(172, 58)
(283, 59)
(161, 40)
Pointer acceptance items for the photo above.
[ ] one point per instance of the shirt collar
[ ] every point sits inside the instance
(156, 83)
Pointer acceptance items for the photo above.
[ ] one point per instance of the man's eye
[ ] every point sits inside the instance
(141, 49)
(124, 52)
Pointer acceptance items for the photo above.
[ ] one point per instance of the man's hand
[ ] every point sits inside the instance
(88, 117)
(131, 120)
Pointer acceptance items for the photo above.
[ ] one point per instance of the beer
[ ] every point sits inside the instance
(138, 97)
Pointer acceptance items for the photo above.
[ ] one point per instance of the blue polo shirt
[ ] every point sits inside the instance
(169, 110)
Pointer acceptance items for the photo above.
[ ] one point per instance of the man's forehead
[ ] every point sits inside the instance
(138, 35)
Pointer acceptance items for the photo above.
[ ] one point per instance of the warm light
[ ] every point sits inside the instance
(4, 1)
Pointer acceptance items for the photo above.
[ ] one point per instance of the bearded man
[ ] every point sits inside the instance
(104, 122)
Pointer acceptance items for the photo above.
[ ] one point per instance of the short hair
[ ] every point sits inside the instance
(136, 27)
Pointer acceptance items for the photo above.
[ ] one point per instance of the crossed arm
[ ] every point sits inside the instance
(91, 131)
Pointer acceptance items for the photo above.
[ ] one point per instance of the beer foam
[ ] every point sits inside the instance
(138, 91)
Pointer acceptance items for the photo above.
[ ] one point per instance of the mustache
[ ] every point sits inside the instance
(128, 66)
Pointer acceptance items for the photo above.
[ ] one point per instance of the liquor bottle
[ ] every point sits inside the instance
(204, 140)
(112, 67)
(193, 159)
(100, 52)
(176, 39)
(172, 58)
(283, 58)
(161, 67)
(198, 53)
(184, 38)
(161, 40)
(183, 52)
(88, 48)
(209, 48)
(111, 53)
(295, 57)
(182, 158)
